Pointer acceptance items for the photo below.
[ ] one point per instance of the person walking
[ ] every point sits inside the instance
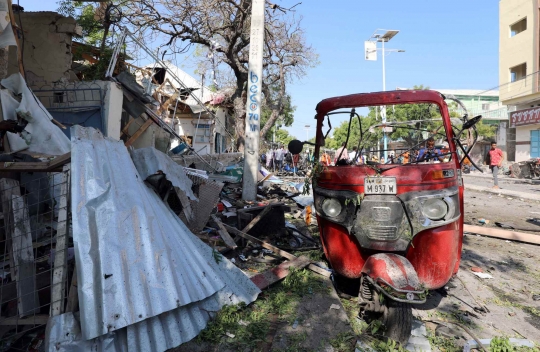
(494, 159)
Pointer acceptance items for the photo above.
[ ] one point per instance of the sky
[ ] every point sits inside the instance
(448, 45)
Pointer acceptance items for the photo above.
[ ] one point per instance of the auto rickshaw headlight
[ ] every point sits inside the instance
(435, 208)
(331, 207)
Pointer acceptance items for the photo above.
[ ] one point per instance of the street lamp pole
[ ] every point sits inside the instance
(383, 110)
(307, 132)
(381, 36)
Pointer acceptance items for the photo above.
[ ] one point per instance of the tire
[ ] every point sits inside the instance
(398, 321)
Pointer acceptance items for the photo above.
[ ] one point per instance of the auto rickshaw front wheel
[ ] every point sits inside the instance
(397, 319)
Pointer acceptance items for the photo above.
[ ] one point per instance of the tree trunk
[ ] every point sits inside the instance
(271, 121)
(240, 121)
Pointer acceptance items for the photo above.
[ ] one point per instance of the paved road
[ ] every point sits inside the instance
(506, 184)
(501, 208)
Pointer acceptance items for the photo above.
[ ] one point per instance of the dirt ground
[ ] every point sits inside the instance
(297, 314)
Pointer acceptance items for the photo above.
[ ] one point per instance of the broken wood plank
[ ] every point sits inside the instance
(229, 242)
(30, 166)
(138, 133)
(59, 161)
(258, 218)
(126, 128)
(266, 177)
(504, 234)
(186, 215)
(60, 258)
(276, 250)
(73, 295)
(40, 319)
(19, 236)
(279, 272)
(319, 270)
(264, 244)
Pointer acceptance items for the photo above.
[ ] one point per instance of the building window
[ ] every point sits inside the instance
(203, 133)
(518, 72)
(518, 27)
(485, 107)
(535, 144)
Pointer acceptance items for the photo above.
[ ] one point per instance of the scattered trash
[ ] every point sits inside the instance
(295, 324)
(536, 297)
(477, 269)
(483, 221)
(230, 335)
(242, 258)
(512, 314)
(483, 275)
(243, 323)
(233, 260)
(335, 306)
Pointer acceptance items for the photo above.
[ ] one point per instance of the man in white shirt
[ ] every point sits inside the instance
(344, 158)
(280, 155)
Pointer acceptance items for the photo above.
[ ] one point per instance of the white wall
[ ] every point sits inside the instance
(523, 134)
(112, 108)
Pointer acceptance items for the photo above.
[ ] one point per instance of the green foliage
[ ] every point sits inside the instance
(294, 342)
(443, 344)
(285, 120)
(500, 344)
(343, 342)
(388, 346)
(282, 136)
(250, 325)
(399, 113)
(84, 14)
(93, 31)
(352, 308)
(375, 326)
(218, 257)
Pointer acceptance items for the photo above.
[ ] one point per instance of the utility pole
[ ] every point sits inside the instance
(253, 108)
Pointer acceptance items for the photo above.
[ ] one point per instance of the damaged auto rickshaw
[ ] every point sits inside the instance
(398, 228)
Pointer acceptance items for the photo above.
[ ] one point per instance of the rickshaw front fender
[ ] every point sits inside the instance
(392, 270)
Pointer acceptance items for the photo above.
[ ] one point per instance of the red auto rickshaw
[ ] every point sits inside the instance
(398, 228)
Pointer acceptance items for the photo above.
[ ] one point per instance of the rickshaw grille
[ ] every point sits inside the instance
(382, 233)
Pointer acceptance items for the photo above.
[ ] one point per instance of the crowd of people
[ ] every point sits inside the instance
(429, 153)
(279, 159)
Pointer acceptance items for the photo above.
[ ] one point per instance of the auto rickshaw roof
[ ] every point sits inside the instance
(380, 98)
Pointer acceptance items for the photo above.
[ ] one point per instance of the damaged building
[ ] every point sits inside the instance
(106, 190)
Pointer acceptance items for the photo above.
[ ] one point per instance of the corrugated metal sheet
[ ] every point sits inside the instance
(148, 161)
(159, 333)
(135, 258)
(208, 198)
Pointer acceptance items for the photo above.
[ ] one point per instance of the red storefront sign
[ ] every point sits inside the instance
(525, 117)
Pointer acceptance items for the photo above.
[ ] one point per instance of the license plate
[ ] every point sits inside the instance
(380, 185)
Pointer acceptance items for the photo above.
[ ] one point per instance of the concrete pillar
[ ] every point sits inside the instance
(511, 144)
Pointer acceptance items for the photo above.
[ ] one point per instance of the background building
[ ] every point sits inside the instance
(518, 75)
